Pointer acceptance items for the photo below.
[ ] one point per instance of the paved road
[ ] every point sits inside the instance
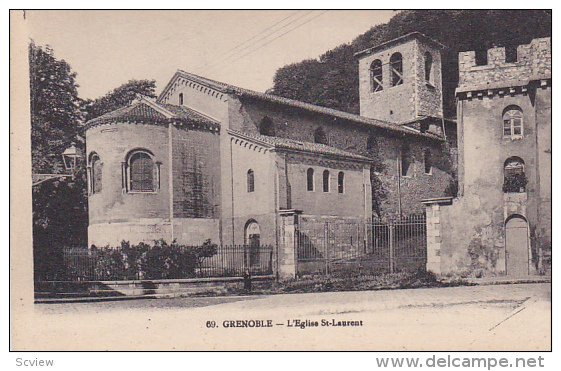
(500, 317)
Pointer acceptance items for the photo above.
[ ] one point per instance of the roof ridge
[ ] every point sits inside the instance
(228, 88)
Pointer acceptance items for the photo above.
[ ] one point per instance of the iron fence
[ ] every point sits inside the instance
(82, 264)
(357, 247)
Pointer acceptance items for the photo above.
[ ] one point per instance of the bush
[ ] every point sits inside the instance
(158, 261)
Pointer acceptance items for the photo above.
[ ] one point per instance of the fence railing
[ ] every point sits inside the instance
(358, 247)
(81, 264)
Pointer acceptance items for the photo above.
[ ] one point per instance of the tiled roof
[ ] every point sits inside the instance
(295, 145)
(185, 113)
(147, 111)
(241, 92)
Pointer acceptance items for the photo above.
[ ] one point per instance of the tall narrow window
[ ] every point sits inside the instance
(267, 127)
(376, 75)
(405, 160)
(428, 161)
(320, 136)
(396, 67)
(141, 176)
(513, 123)
(428, 66)
(326, 180)
(95, 173)
(180, 99)
(514, 176)
(250, 181)
(341, 182)
(310, 179)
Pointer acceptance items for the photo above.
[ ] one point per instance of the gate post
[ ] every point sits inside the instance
(434, 236)
(288, 244)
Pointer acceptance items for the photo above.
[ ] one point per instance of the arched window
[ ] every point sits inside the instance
(267, 127)
(250, 181)
(428, 66)
(320, 136)
(372, 145)
(142, 173)
(310, 179)
(514, 176)
(396, 68)
(180, 99)
(326, 180)
(513, 122)
(376, 76)
(405, 160)
(341, 182)
(95, 173)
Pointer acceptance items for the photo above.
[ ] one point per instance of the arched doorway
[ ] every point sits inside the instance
(253, 242)
(517, 246)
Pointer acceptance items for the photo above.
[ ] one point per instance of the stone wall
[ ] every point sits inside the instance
(410, 100)
(349, 203)
(534, 61)
(353, 137)
(113, 213)
(196, 173)
(116, 214)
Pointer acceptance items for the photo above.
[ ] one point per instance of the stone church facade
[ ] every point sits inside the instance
(211, 160)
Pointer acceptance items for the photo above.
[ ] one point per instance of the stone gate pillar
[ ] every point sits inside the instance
(288, 244)
(434, 232)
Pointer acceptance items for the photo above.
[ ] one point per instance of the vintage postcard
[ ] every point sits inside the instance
(340, 180)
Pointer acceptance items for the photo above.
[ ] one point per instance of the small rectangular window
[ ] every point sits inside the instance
(517, 126)
(506, 128)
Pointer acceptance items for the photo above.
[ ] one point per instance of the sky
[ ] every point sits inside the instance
(243, 48)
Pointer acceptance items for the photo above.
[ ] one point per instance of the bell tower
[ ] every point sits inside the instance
(401, 80)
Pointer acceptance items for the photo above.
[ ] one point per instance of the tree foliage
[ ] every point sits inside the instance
(119, 97)
(332, 80)
(55, 109)
(60, 205)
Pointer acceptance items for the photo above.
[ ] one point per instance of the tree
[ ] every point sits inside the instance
(55, 109)
(119, 97)
(59, 206)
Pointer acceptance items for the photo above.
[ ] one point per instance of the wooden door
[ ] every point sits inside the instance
(517, 247)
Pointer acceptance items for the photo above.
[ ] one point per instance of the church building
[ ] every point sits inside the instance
(208, 160)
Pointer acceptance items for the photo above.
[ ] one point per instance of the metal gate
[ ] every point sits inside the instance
(353, 247)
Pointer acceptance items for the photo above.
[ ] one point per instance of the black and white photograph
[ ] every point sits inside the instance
(282, 180)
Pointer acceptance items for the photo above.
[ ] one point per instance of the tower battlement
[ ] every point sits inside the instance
(532, 61)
